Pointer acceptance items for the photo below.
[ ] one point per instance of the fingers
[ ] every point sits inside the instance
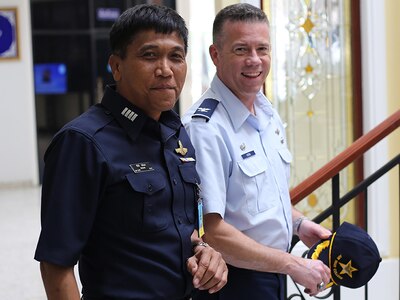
(191, 265)
(209, 270)
(324, 233)
(319, 288)
(219, 279)
(311, 233)
(313, 292)
(320, 280)
(310, 274)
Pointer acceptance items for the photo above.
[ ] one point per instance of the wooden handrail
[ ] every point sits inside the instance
(343, 159)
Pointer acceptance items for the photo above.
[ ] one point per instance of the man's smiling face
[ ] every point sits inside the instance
(243, 57)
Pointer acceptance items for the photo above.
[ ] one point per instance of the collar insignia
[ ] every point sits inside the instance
(181, 150)
(203, 109)
(129, 114)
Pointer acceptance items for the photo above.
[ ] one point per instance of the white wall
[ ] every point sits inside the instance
(375, 111)
(199, 16)
(18, 151)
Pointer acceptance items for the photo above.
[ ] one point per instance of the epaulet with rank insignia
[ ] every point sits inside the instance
(206, 109)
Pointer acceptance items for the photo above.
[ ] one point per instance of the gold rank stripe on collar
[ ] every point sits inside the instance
(129, 114)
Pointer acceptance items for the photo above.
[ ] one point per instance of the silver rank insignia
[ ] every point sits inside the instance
(187, 159)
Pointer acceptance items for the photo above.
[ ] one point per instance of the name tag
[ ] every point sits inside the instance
(248, 154)
(141, 167)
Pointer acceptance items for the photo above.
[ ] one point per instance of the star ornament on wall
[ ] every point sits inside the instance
(347, 269)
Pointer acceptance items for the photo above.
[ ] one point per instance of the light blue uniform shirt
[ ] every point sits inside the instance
(244, 163)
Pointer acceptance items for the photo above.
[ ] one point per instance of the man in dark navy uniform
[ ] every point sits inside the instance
(120, 188)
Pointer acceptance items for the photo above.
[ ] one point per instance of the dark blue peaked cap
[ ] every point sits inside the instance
(351, 255)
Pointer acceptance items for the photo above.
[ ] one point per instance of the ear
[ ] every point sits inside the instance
(114, 62)
(213, 54)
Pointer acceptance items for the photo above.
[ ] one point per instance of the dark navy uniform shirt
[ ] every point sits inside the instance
(119, 196)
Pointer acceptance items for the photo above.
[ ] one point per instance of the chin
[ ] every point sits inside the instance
(168, 105)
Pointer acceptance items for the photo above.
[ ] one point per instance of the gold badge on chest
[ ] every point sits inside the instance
(181, 150)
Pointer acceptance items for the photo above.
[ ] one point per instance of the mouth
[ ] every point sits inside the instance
(251, 74)
(163, 87)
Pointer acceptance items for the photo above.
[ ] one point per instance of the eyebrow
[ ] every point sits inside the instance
(153, 47)
(247, 44)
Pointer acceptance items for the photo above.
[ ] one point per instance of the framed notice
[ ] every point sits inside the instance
(8, 33)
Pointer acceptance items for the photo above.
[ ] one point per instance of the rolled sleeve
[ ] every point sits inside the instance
(212, 165)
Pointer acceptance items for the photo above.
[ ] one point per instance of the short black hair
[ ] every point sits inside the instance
(241, 12)
(161, 19)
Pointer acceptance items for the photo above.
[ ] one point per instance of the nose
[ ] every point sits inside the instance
(163, 68)
(253, 58)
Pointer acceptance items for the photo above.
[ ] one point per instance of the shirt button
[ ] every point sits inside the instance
(179, 221)
(174, 181)
(150, 188)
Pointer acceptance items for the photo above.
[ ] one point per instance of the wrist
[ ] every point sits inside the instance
(297, 224)
(289, 264)
(199, 244)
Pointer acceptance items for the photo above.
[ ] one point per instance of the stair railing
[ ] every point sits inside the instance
(331, 171)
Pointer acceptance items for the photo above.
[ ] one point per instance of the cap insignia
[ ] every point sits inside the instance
(347, 269)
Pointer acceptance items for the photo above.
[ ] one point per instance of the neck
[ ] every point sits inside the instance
(250, 105)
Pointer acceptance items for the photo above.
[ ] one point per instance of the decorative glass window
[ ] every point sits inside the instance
(311, 86)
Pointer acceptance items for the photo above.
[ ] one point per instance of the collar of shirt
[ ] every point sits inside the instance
(237, 111)
(133, 120)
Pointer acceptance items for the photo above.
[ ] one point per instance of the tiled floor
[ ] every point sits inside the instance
(19, 229)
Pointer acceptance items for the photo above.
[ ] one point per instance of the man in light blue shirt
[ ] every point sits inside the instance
(243, 162)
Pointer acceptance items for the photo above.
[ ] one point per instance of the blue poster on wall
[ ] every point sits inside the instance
(8, 33)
